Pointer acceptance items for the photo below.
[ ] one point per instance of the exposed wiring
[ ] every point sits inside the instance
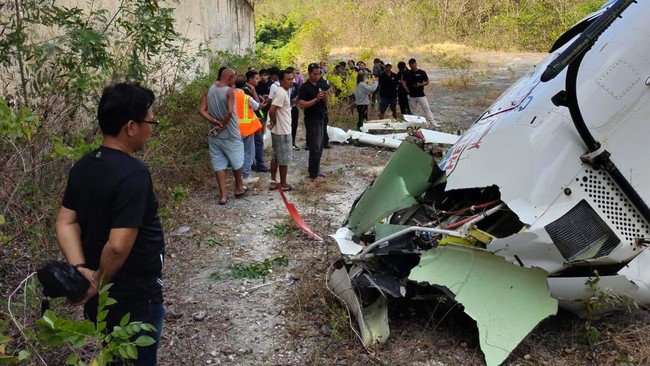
(471, 208)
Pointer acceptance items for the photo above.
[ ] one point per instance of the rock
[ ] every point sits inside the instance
(364, 359)
(341, 363)
(528, 357)
(180, 231)
(216, 361)
(199, 316)
(208, 362)
(326, 330)
(214, 353)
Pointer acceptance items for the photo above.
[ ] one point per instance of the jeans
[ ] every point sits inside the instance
(249, 153)
(152, 314)
(314, 133)
(259, 148)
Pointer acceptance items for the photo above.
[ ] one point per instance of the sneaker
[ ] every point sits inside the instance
(327, 146)
(435, 124)
(262, 169)
(295, 147)
(250, 180)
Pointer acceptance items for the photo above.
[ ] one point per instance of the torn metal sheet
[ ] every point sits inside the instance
(373, 319)
(413, 118)
(337, 134)
(405, 176)
(343, 238)
(388, 125)
(506, 301)
(389, 141)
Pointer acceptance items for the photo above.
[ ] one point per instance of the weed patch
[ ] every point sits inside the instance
(258, 269)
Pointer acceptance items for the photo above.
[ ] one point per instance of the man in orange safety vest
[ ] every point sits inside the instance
(248, 124)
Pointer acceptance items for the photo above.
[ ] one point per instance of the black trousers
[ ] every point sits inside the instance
(314, 128)
(294, 124)
(362, 109)
(326, 121)
(403, 100)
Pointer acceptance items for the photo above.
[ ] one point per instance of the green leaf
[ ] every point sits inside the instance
(110, 301)
(125, 320)
(2, 220)
(131, 351)
(23, 355)
(102, 315)
(72, 359)
(49, 318)
(123, 353)
(144, 341)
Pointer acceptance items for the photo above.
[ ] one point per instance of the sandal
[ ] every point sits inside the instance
(243, 194)
(221, 203)
(286, 188)
(273, 186)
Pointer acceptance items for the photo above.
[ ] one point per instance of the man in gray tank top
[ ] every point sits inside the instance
(224, 139)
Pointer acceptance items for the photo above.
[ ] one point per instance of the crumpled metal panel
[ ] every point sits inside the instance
(405, 176)
(505, 300)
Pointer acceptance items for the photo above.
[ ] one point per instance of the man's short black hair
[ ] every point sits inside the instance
(121, 103)
(221, 71)
(412, 61)
(264, 72)
(290, 69)
(283, 73)
(312, 66)
(250, 74)
(274, 71)
(401, 65)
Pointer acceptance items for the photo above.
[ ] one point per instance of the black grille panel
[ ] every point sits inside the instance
(581, 234)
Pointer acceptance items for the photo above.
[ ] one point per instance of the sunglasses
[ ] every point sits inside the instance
(154, 123)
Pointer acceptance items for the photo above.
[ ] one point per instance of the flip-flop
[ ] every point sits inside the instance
(243, 194)
(273, 186)
(223, 202)
(287, 188)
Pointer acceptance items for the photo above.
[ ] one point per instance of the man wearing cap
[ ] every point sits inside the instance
(414, 83)
(388, 82)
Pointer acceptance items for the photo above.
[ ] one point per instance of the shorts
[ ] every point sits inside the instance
(281, 148)
(224, 151)
(385, 102)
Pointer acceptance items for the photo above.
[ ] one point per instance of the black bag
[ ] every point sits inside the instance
(61, 279)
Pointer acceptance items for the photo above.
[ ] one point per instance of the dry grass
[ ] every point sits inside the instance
(485, 99)
(633, 341)
(462, 81)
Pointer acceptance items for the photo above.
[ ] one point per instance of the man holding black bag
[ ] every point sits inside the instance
(108, 226)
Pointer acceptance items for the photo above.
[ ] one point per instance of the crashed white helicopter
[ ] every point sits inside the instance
(546, 191)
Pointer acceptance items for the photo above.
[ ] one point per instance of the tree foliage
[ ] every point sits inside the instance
(496, 24)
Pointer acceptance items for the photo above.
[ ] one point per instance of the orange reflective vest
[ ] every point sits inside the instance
(248, 122)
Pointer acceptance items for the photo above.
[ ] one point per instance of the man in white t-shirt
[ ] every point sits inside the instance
(280, 126)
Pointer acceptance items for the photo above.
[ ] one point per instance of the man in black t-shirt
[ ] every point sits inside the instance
(388, 82)
(414, 83)
(108, 226)
(313, 100)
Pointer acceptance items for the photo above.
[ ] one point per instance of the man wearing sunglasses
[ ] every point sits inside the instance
(108, 226)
